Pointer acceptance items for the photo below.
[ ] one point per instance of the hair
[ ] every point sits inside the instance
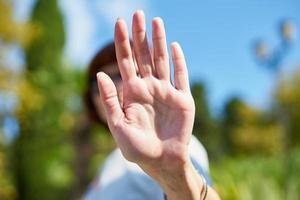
(106, 56)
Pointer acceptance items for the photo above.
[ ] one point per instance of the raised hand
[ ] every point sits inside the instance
(153, 123)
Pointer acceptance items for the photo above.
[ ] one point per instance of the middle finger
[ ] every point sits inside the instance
(140, 44)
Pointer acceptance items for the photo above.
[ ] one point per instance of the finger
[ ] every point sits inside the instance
(180, 69)
(140, 43)
(109, 98)
(161, 57)
(123, 51)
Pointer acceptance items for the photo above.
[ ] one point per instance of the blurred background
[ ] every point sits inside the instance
(244, 64)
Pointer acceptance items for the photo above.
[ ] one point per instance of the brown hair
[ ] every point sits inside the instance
(107, 55)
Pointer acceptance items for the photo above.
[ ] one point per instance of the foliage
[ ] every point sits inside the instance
(45, 51)
(257, 177)
(103, 144)
(205, 127)
(7, 189)
(247, 130)
(43, 151)
(12, 31)
(287, 106)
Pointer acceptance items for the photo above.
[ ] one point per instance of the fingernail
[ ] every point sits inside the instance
(175, 43)
(140, 12)
(99, 74)
(158, 19)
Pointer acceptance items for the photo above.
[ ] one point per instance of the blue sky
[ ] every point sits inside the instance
(216, 35)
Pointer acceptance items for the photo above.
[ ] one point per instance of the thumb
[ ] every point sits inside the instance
(109, 98)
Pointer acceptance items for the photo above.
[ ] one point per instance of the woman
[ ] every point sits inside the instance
(150, 119)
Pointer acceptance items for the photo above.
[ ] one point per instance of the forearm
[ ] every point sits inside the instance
(184, 183)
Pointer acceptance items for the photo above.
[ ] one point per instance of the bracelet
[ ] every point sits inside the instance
(205, 188)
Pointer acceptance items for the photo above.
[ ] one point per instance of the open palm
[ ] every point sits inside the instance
(154, 122)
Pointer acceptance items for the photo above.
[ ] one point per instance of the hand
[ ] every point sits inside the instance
(153, 123)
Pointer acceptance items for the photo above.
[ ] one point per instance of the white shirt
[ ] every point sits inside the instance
(120, 179)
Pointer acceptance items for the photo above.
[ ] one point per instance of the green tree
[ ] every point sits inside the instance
(231, 119)
(249, 130)
(287, 107)
(43, 151)
(11, 32)
(205, 127)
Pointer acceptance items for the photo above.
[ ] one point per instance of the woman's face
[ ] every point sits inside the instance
(113, 72)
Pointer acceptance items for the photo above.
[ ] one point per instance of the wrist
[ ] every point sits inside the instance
(182, 182)
(186, 184)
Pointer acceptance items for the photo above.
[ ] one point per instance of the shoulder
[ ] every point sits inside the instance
(198, 153)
